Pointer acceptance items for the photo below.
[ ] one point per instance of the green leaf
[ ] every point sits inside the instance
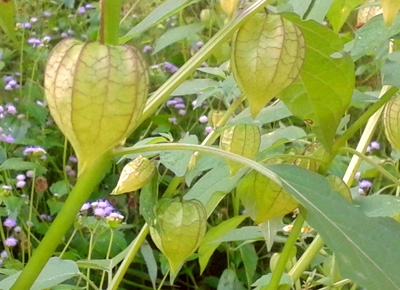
(196, 86)
(178, 161)
(325, 87)
(269, 114)
(269, 229)
(229, 281)
(3, 154)
(213, 71)
(163, 11)
(54, 205)
(250, 259)
(208, 245)
(366, 248)
(300, 7)
(242, 234)
(55, 272)
(20, 165)
(7, 14)
(206, 162)
(286, 134)
(378, 205)
(60, 187)
(176, 34)
(148, 199)
(373, 35)
(13, 205)
(264, 281)
(151, 263)
(339, 11)
(390, 9)
(318, 10)
(391, 69)
(216, 180)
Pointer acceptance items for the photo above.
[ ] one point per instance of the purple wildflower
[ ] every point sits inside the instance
(357, 176)
(47, 14)
(71, 173)
(208, 129)
(1, 55)
(34, 41)
(116, 215)
(70, 31)
(30, 173)
(203, 119)
(46, 38)
(365, 184)
(7, 138)
(109, 209)
(103, 203)
(173, 120)
(361, 191)
(8, 79)
(180, 106)
(81, 10)
(34, 19)
(89, 6)
(99, 212)
(375, 145)
(12, 110)
(7, 187)
(4, 254)
(20, 184)
(147, 48)
(85, 206)
(182, 112)
(73, 159)
(9, 223)
(200, 43)
(8, 87)
(27, 25)
(10, 242)
(170, 67)
(35, 151)
(64, 35)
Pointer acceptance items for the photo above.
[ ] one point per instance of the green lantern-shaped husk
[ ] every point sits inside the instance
(96, 94)
(179, 228)
(135, 175)
(267, 55)
(241, 139)
(391, 117)
(263, 199)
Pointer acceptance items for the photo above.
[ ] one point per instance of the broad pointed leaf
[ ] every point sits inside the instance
(339, 12)
(7, 14)
(366, 248)
(163, 11)
(390, 9)
(325, 87)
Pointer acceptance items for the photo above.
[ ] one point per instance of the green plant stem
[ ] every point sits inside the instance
(284, 257)
(372, 163)
(306, 258)
(69, 241)
(110, 17)
(103, 275)
(30, 213)
(86, 183)
(133, 249)
(387, 95)
(163, 93)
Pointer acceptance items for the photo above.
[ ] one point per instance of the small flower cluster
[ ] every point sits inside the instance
(82, 9)
(6, 137)
(35, 151)
(11, 83)
(374, 145)
(364, 185)
(11, 225)
(102, 209)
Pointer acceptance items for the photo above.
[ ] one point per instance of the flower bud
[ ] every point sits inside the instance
(135, 175)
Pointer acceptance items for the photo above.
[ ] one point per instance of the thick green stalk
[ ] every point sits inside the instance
(110, 17)
(86, 183)
(285, 255)
(133, 249)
